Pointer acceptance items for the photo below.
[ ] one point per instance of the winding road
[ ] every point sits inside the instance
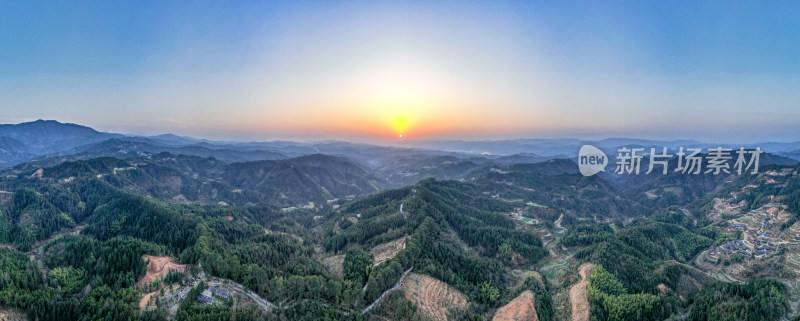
(394, 288)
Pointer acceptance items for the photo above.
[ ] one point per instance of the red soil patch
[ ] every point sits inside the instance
(662, 288)
(522, 308)
(145, 299)
(158, 268)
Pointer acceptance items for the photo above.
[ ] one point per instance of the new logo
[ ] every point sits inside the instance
(591, 160)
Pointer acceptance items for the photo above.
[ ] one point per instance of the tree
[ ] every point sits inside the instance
(489, 293)
(357, 265)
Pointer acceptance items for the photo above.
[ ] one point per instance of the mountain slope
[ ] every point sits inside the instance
(183, 179)
(48, 136)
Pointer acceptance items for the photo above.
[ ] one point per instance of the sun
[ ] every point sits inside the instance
(400, 124)
(400, 95)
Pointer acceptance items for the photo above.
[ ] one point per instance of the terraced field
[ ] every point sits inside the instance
(435, 298)
(386, 251)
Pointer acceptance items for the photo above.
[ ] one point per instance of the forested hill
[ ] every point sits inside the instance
(269, 251)
(456, 234)
(74, 238)
(556, 184)
(186, 179)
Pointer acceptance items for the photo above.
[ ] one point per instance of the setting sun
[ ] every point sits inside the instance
(401, 94)
(400, 125)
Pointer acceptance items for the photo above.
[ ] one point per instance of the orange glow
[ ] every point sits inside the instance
(393, 100)
(400, 125)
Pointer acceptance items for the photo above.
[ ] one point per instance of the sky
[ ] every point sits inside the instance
(375, 70)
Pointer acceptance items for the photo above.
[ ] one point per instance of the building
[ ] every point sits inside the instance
(219, 292)
(206, 297)
(182, 294)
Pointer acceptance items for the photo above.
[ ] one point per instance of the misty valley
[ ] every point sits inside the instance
(105, 226)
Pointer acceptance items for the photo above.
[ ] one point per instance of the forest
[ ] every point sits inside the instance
(75, 247)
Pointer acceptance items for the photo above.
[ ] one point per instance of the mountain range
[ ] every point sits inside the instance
(108, 226)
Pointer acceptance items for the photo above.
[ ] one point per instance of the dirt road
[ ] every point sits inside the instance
(577, 295)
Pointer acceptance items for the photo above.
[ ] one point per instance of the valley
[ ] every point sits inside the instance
(329, 237)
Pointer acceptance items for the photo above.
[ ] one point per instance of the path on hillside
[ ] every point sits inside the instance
(394, 288)
(577, 295)
(145, 299)
(76, 230)
(239, 289)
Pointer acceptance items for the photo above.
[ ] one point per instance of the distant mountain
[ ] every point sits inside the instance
(313, 178)
(618, 142)
(49, 136)
(560, 147)
(23, 142)
(172, 139)
(12, 145)
(184, 179)
(544, 147)
(47, 143)
(677, 188)
(12, 152)
(795, 154)
(773, 147)
(557, 184)
(557, 166)
(135, 146)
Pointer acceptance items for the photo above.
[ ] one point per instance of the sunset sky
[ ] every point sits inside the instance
(373, 70)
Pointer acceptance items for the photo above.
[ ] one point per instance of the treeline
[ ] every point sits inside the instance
(365, 232)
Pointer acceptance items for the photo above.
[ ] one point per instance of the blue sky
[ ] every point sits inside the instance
(355, 70)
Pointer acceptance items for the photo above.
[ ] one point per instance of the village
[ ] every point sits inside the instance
(757, 232)
(218, 291)
(754, 235)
